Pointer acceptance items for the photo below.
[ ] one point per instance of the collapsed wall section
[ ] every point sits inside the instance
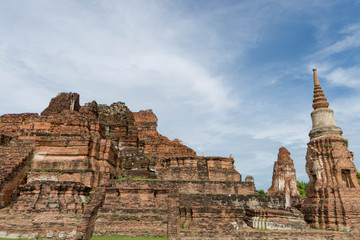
(119, 123)
(155, 144)
(63, 101)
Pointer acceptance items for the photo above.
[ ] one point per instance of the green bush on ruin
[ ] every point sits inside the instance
(261, 192)
(302, 187)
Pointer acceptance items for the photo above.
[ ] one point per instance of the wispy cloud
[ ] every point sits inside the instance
(134, 49)
(345, 76)
(350, 39)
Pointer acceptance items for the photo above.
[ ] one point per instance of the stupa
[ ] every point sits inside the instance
(333, 195)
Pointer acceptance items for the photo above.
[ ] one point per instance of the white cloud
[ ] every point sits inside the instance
(350, 40)
(286, 133)
(346, 77)
(134, 47)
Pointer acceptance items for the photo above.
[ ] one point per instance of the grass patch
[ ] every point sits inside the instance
(125, 238)
(145, 179)
(30, 162)
(137, 178)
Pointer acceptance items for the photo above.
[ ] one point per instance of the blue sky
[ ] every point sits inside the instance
(225, 77)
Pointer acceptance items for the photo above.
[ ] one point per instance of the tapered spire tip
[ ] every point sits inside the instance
(316, 79)
(319, 98)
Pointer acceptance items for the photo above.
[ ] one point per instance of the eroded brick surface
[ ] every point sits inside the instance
(333, 195)
(202, 212)
(96, 169)
(198, 168)
(14, 161)
(63, 101)
(139, 208)
(47, 209)
(157, 145)
(284, 176)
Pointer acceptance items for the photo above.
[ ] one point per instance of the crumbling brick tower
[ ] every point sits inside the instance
(284, 177)
(333, 195)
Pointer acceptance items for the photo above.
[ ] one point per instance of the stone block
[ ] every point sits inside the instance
(13, 235)
(3, 234)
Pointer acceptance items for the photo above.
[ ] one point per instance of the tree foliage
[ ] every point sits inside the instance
(302, 187)
(358, 177)
(261, 192)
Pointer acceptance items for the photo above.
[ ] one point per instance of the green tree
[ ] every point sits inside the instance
(358, 177)
(302, 187)
(261, 192)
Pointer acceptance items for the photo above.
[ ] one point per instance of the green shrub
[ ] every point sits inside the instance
(261, 192)
(302, 187)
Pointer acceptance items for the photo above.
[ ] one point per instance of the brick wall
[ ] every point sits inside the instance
(14, 161)
(138, 208)
(333, 195)
(198, 168)
(47, 209)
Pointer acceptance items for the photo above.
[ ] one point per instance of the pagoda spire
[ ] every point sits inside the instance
(323, 122)
(320, 100)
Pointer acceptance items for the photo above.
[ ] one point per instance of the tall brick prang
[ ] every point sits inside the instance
(333, 194)
(284, 176)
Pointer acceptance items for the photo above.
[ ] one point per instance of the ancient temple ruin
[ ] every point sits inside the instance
(284, 177)
(77, 171)
(333, 195)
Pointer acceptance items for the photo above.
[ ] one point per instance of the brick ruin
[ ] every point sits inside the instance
(284, 177)
(333, 195)
(77, 171)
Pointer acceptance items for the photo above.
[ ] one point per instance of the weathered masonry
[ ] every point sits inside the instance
(76, 171)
